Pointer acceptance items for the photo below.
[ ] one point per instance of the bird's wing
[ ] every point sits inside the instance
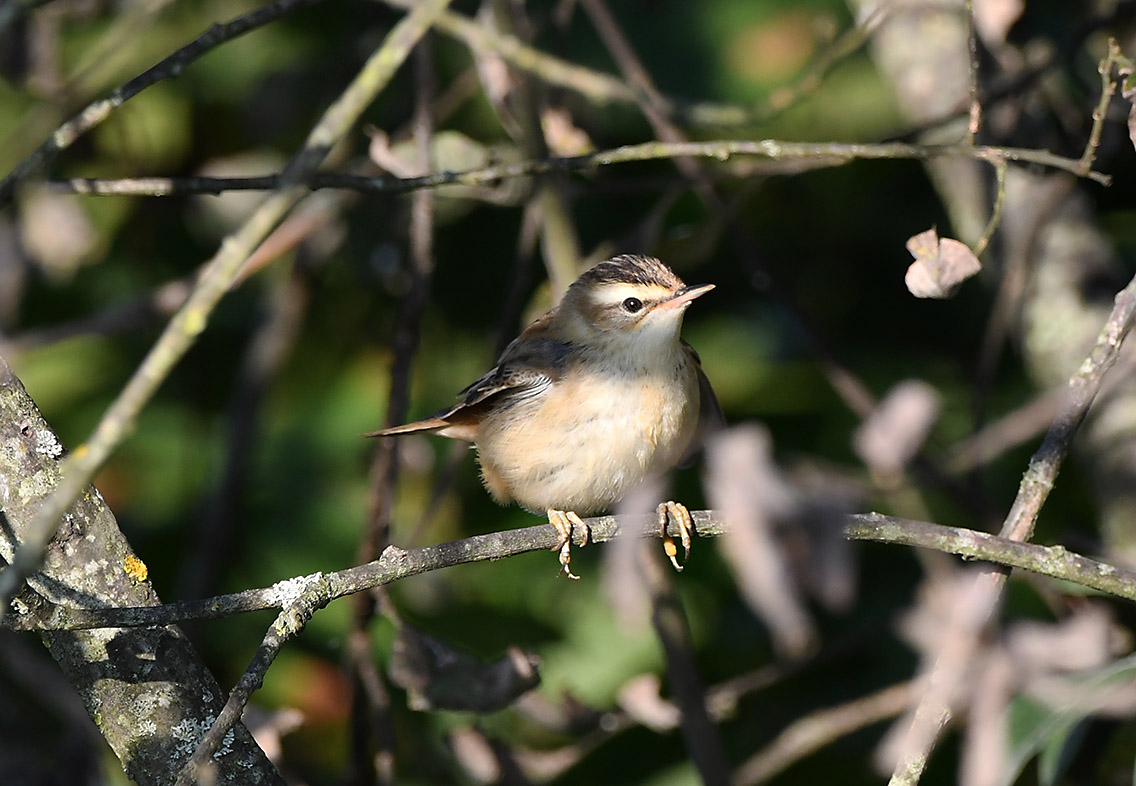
(710, 417)
(527, 367)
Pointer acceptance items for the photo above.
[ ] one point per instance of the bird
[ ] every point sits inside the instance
(590, 400)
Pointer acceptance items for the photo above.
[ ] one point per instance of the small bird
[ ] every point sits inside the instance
(591, 399)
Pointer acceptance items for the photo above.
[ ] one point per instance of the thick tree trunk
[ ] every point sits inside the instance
(146, 688)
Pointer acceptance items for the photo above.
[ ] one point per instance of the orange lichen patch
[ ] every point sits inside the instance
(135, 568)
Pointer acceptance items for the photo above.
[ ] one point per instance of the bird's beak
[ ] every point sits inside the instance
(683, 297)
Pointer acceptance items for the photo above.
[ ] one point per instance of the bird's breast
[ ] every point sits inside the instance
(591, 437)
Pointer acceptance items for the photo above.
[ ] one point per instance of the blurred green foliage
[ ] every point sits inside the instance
(831, 243)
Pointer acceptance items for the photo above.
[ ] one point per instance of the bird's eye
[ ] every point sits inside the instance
(632, 305)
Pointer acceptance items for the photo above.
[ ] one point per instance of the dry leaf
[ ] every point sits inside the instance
(475, 755)
(57, 233)
(562, 135)
(623, 579)
(437, 675)
(897, 428)
(994, 18)
(940, 265)
(1080, 641)
(984, 751)
(744, 483)
(640, 698)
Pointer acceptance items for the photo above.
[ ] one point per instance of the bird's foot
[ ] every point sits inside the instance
(563, 520)
(685, 524)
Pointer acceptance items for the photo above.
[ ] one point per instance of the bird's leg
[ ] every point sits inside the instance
(685, 524)
(563, 520)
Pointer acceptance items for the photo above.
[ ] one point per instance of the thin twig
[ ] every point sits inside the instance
(1067, 48)
(703, 742)
(287, 625)
(810, 80)
(822, 153)
(975, 111)
(521, 111)
(97, 111)
(599, 87)
(1053, 561)
(1006, 310)
(267, 353)
(822, 727)
(1000, 168)
(373, 735)
(1038, 479)
(1009, 431)
(1100, 113)
(652, 103)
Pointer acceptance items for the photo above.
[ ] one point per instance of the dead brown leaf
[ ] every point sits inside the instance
(744, 483)
(437, 675)
(940, 266)
(994, 18)
(897, 428)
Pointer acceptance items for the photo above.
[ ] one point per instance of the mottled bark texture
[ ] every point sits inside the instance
(146, 688)
(1062, 270)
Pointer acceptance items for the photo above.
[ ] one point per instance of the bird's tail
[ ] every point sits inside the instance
(427, 425)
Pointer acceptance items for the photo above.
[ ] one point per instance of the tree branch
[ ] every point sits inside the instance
(395, 564)
(822, 153)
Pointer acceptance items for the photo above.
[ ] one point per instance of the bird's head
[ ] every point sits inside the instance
(628, 301)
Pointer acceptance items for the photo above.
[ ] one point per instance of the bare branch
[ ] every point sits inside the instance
(1083, 387)
(817, 729)
(668, 616)
(395, 564)
(820, 154)
(597, 86)
(1100, 113)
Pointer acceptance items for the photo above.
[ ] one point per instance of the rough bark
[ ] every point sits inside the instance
(146, 688)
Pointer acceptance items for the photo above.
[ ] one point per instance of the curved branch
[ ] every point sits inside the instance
(395, 564)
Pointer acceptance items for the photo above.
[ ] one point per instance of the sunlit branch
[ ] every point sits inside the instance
(826, 153)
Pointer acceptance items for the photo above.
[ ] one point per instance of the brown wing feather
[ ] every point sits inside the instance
(526, 368)
(710, 417)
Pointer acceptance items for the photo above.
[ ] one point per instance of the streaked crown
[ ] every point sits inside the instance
(630, 269)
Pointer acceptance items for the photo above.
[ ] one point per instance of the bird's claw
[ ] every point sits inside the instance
(562, 521)
(685, 524)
